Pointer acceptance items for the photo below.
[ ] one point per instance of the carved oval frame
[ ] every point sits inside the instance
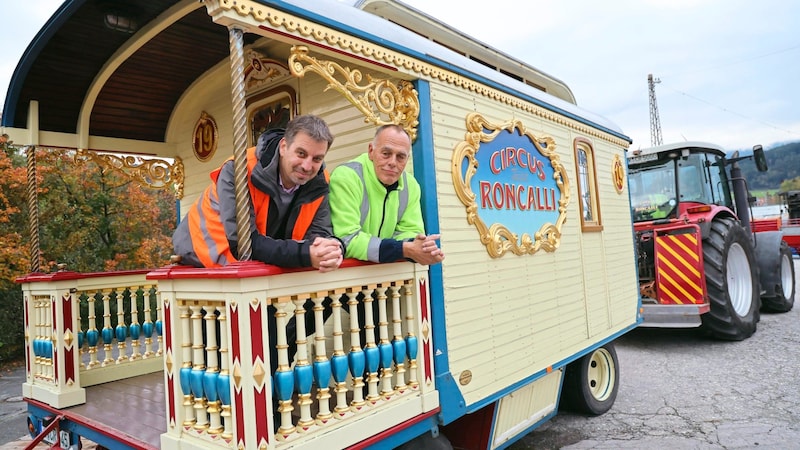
(498, 238)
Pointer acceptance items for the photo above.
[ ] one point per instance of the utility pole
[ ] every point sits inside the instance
(655, 122)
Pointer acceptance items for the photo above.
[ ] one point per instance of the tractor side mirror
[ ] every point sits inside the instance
(760, 158)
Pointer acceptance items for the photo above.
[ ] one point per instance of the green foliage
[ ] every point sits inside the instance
(783, 162)
(12, 333)
(790, 185)
(90, 218)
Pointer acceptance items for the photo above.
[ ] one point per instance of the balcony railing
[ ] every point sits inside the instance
(87, 329)
(334, 348)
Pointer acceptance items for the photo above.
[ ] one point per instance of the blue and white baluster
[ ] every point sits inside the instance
(186, 366)
(370, 348)
(92, 335)
(135, 328)
(384, 346)
(198, 368)
(322, 365)
(339, 358)
(148, 326)
(108, 332)
(412, 344)
(283, 379)
(398, 344)
(356, 358)
(212, 371)
(224, 378)
(303, 372)
(121, 331)
(159, 323)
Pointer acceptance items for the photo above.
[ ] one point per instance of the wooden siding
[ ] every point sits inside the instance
(510, 317)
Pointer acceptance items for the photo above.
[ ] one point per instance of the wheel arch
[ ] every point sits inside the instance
(768, 260)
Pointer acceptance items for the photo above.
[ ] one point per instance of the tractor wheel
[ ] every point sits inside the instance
(591, 383)
(731, 281)
(783, 300)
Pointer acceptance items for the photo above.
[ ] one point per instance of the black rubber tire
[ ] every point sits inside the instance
(783, 300)
(591, 383)
(731, 281)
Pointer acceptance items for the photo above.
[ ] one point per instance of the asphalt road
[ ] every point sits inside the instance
(679, 391)
(12, 408)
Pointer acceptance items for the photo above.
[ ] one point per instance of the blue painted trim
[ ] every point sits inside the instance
(639, 318)
(93, 435)
(50, 28)
(302, 12)
(450, 398)
(563, 363)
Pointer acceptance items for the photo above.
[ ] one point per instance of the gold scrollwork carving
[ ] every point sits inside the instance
(378, 96)
(497, 238)
(154, 173)
(618, 174)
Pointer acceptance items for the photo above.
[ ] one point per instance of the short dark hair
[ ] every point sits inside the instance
(310, 124)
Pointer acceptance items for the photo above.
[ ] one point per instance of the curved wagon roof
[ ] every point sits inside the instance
(117, 69)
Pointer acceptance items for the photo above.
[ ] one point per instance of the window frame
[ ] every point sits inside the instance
(590, 182)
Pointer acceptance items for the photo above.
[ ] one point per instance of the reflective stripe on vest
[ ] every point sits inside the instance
(358, 168)
(208, 233)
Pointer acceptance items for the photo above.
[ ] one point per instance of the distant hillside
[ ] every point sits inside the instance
(783, 162)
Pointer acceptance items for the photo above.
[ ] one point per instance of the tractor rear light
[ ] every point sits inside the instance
(698, 209)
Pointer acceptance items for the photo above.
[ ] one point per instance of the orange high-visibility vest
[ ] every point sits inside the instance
(205, 226)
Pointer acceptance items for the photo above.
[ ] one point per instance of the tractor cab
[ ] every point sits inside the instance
(668, 181)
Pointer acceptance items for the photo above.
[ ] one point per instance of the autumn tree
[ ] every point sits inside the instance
(13, 257)
(96, 219)
(91, 218)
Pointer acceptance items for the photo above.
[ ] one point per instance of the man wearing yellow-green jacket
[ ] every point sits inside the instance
(375, 204)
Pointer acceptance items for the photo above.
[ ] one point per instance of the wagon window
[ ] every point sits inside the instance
(587, 185)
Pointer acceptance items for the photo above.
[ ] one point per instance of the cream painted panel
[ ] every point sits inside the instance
(510, 317)
(211, 94)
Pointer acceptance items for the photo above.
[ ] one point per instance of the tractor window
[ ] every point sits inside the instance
(719, 181)
(693, 185)
(652, 188)
(587, 185)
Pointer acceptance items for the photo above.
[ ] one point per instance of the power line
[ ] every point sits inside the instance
(736, 113)
(735, 62)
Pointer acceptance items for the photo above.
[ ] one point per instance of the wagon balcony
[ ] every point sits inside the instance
(262, 357)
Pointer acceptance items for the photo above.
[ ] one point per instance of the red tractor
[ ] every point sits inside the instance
(700, 263)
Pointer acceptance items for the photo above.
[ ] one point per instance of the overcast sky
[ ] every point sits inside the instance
(729, 69)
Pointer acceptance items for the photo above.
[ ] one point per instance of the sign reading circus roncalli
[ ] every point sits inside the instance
(513, 185)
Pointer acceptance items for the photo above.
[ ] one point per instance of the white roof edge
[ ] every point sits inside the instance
(345, 13)
(677, 146)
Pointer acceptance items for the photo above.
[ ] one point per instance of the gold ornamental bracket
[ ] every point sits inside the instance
(375, 98)
(154, 173)
(513, 185)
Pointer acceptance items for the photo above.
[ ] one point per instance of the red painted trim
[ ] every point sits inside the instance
(241, 269)
(67, 275)
(167, 326)
(238, 407)
(237, 396)
(423, 296)
(262, 424)
(27, 344)
(330, 49)
(259, 392)
(96, 426)
(69, 362)
(171, 397)
(378, 438)
(55, 344)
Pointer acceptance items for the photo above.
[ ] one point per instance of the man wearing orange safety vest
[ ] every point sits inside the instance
(289, 212)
